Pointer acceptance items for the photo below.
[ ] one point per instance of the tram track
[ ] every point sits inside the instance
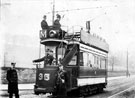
(119, 84)
(117, 94)
(115, 87)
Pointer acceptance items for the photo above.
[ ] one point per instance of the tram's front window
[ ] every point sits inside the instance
(50, 54)
(60, 53)
(73, 61)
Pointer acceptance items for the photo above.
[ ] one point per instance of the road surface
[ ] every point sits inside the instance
(122, 87)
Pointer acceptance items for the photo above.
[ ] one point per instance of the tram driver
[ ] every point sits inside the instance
(48, 59)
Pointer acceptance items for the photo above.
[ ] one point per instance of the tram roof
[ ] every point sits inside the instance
(94, 41)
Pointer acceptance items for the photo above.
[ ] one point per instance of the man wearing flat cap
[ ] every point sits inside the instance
(48, 58)
(44, 24)
(12, 79)
(57, 25)
(57, 22)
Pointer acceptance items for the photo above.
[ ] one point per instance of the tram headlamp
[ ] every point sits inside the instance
(52, 33)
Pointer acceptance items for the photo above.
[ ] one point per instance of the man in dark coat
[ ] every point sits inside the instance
(61, 83)
(45, 27)
(48, 59)
(44, 24)
(57, 22)
(12, 78)
(57, 25)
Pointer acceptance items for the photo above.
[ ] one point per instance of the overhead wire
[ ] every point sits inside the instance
(82, 9)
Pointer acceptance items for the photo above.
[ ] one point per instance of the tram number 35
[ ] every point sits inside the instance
(45, 76)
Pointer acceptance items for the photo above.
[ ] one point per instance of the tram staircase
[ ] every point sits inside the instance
(73, 51)
(69, 56)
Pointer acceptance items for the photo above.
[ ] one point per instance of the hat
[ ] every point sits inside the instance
(13, 63)
(58, 16)
(44, 16)
(47, 50)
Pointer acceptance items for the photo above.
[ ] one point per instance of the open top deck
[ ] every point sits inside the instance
(52, 38)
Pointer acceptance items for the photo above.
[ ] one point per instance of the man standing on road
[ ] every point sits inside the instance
(48, 59)
(12, 78)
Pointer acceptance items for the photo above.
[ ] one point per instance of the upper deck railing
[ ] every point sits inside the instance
(82, 36)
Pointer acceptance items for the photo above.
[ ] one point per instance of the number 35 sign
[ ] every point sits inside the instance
(45, 76)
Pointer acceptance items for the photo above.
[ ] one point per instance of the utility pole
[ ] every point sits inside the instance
(127, 64)
(3, 4)
(53, 11)
(112, 63)
(0, 9)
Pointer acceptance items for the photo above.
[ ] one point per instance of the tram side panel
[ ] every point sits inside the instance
(91, 76)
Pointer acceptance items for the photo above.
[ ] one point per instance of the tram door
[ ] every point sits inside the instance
(72, 66)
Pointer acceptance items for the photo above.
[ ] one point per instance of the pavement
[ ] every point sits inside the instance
(3, 87)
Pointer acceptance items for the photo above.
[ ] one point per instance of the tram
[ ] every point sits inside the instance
(84, 57)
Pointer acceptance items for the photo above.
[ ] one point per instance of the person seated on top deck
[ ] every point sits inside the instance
(57, 26)
(57, 22)
(47, 59)
(44, 26)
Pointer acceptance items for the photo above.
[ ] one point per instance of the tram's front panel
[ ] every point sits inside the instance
(46, 77)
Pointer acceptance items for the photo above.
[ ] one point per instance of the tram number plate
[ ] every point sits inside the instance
(45, 76)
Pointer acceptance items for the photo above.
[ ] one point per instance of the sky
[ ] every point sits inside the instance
(113, 20)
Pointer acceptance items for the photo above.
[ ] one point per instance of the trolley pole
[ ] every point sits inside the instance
(53, 12)
(127, 64)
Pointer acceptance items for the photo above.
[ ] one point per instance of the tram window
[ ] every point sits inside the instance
(81, 58)
(90, 59)
(73, 61)
(85, 58)
(103, 63)
(51, 54)
(95, 59)
(51, 49)
(60, 53)
(98, 62)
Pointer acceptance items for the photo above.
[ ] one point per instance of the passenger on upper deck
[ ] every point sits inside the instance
(57, 22)
(47, 59)
(57, 26)
(44, 24)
